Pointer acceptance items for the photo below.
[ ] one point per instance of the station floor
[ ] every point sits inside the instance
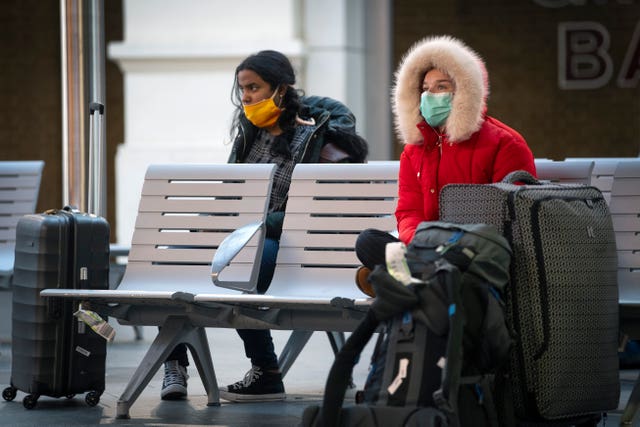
(304, 385)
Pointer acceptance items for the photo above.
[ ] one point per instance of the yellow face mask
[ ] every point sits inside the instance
(263, 114)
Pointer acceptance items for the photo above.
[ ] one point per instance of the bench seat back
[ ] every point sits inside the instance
(328, 206)
(19, 188)
(625, 212)
(559, 172)
(603, 171)
(185, 211)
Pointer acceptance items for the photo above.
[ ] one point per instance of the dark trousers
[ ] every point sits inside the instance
(370, 247)
(258, 344)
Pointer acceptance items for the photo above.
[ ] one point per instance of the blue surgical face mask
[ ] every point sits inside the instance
(435, 107)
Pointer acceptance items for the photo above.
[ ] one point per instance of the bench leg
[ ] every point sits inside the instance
(174, 331)
(199, 346)
(632, 405)
(337, 340)
(296, 342)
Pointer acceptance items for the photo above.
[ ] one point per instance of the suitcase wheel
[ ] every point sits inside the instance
(30, 401)
(92, 398)
(9, 393)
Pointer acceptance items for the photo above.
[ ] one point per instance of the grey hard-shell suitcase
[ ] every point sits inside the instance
(562, 301)
(54, 353)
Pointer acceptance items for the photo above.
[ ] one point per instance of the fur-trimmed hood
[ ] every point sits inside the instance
(463, 65)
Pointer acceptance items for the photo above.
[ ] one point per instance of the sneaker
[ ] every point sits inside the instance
(257, 386)
(362, 281)
(174, 385)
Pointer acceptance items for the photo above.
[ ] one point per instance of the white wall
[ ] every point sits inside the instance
(178, 59)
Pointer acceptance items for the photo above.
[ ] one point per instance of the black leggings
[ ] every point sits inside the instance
(370, 247)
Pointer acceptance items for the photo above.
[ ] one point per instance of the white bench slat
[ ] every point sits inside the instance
(185, 254)
(602, 182)
(338, 224)
(17, 207)
(185, 222)
(624, 186)
(211, 205)
(203, 187)
(626, 222)
(206, 238)
(300, 238)
(628, 241)
(6, 235)
(21, 167)
(304, 258)
(624, 204)
(205, 171)
(336, 189)
(576, 172)
(629, 259)
(19, 188)
(10, 222)
(21, 183)
(343, 207)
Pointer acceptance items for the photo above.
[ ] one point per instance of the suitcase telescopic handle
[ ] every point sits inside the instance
(96, 160)
(520, 176)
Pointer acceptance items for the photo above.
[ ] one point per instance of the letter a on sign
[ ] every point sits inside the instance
(583, 55)
(630, 71)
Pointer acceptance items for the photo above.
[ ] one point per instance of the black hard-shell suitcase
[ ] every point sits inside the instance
(54, 353)
(562, 302)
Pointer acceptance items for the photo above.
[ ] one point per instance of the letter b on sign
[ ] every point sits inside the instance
(583, 55)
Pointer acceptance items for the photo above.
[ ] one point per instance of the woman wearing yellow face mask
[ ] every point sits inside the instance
(273, 123)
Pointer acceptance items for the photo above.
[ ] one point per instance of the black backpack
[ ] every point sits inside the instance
(441, 338)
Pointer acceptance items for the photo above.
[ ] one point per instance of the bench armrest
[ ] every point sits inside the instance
(116, 250)
(227, 251)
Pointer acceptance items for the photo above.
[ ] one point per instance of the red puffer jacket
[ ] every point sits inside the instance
(488, 156)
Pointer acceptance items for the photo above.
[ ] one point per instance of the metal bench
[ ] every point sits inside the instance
(625, 211)
(185, 212)
(167, 280)
(19, 189)
(313, 288)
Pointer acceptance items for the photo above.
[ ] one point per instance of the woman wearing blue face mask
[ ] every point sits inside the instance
(440, 112)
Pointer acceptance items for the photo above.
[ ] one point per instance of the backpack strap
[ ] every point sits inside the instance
(505, 399)
(342, 368)
(447, 396)
(483, 385)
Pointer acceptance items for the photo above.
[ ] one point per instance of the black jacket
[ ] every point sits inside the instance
(334, 140)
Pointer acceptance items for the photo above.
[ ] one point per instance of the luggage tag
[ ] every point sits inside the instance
(403, 364)
(95, 322)
(395, 257)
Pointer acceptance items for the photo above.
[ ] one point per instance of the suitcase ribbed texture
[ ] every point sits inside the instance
(53, 353)
(563, 299)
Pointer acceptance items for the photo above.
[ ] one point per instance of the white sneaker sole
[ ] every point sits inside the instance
(173, 392)
(239, 398)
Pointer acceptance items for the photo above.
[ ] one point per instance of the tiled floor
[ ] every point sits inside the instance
(304, 384)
